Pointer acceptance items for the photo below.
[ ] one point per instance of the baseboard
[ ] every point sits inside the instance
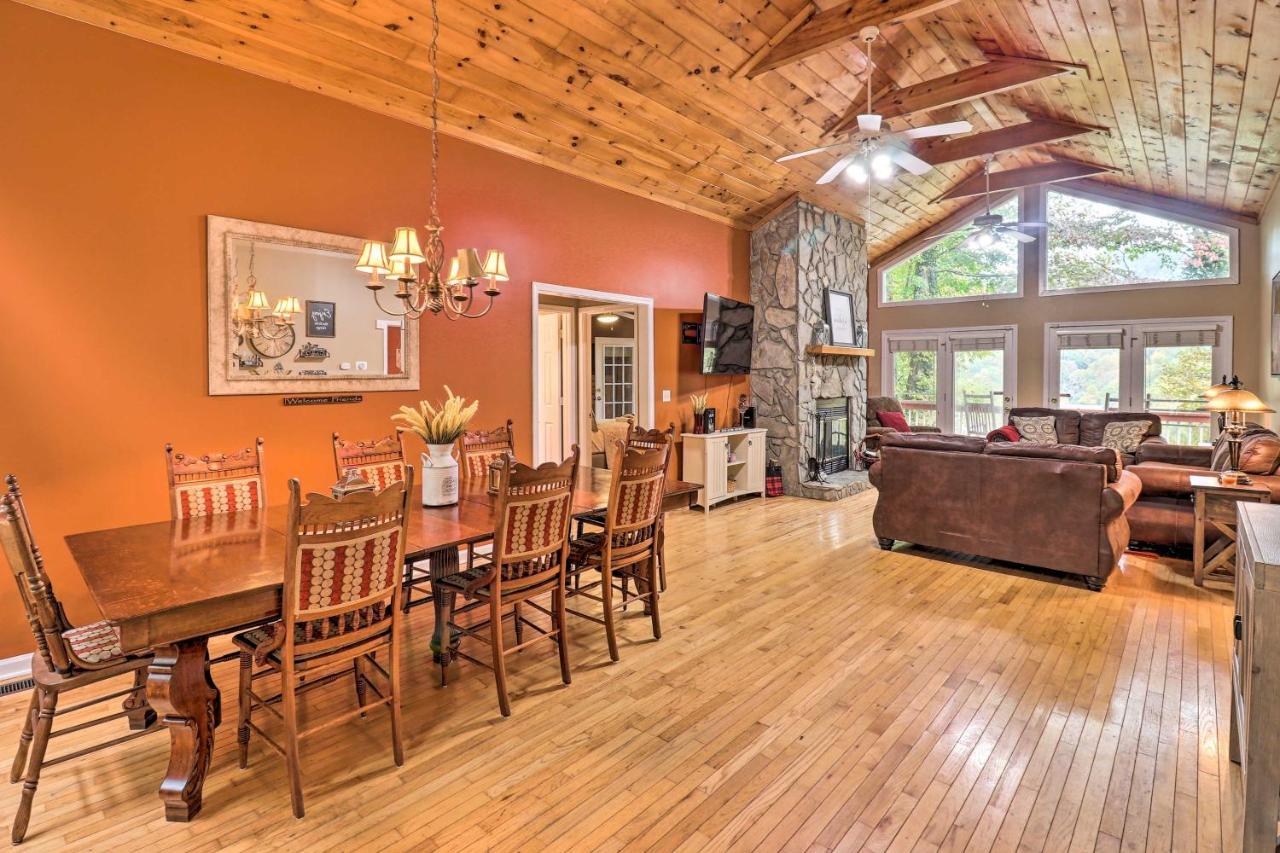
(16, 668)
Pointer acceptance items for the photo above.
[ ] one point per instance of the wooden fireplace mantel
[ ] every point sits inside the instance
(848, 352)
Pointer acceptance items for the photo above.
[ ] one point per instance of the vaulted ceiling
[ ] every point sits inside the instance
(651, 96)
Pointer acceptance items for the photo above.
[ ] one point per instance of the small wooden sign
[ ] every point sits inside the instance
(323, 399)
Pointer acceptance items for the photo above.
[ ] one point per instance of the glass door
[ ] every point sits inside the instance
(1176, 366)
(959, 380)
(1086, 368)
(614, 377)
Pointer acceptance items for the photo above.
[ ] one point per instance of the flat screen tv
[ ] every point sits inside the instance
(726, 335)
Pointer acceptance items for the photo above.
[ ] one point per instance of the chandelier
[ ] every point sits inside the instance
(254, 319)
(421, 285)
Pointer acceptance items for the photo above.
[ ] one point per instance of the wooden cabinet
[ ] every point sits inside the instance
(727, 464)
(1255, 672)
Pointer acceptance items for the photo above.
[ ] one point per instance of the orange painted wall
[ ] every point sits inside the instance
(112, 154)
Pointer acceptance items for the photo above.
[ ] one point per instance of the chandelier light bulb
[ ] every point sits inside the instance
(985, 239)
(881, 165)
(858, 172)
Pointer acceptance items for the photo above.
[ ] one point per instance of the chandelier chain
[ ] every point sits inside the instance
(432, 55)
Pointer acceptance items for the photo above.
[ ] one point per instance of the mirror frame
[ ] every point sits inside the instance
(221, 231)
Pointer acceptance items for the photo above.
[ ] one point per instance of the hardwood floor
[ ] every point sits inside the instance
(810, 693)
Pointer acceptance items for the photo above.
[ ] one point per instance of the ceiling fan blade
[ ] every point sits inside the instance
(841, 164)
(909, 161)
(869, 123)
(1028, 224)
(811, 151)
(946, 234)
(1015, 234)
(946, 129)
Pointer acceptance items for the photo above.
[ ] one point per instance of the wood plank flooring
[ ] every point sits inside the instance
(810, 693)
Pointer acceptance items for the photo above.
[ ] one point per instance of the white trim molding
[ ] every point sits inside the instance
(15, 668)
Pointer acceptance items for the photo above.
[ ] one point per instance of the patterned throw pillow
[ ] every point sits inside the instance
(1124, 436)
(1042, 430)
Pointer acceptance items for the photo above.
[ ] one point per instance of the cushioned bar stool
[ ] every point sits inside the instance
(341, 607)
(531, 547)
(67, 658)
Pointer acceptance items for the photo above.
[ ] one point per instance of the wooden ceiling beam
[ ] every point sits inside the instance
(976, 82)
(1027, 176)
(834, 25)
(1035, 132)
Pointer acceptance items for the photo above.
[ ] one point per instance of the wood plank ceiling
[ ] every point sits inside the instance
(642, 95)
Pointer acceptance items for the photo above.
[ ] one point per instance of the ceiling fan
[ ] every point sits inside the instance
(875, 149)
(986, 229)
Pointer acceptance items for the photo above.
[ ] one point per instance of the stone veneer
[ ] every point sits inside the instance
(794, 256)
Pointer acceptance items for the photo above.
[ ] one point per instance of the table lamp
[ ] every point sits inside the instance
(1234, 403)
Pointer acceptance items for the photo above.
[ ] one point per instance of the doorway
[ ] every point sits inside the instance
(960, 380)
(593, 369)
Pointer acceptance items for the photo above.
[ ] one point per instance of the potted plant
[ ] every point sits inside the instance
(699, 409)
(439, 426)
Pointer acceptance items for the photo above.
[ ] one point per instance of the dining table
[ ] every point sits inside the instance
(171, 585)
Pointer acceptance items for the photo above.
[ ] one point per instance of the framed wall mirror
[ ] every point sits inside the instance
(288, 314)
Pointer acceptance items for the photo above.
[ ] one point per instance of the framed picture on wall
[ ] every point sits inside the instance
(1275, 325)
(840, 318)
(320, 319)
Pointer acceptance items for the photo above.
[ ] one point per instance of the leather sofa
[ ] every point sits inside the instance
(1058, 507)
(1086, 428)
(875, 429)
(1165, 514)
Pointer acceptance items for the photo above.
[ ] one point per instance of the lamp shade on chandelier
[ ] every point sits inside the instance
(417, 265)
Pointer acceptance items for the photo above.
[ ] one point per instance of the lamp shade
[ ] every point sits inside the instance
(1236, 400)
(373, 258)
(406, 248)
(287, 307)
(495, 265)
(469, 266)
(400, 268)
(454, 267)
(257, 301)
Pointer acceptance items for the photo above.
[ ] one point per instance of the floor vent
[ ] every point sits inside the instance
(19, 686)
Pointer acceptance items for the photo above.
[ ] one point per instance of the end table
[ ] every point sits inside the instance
(1216, 505)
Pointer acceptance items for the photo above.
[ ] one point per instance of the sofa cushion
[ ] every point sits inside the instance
(1165, 479)
(1067, 421)
(1037, 430)
(1093, 425)
(1259, 452)
(1124, 436)
(1066, 452)
(893, 420)
(934, 441)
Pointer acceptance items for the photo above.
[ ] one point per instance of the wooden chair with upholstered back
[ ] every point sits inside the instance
(66, 658)
(341, 607)
(531, 547)
(381, 462)
(627, 549)
(478, 448)
(216, 482)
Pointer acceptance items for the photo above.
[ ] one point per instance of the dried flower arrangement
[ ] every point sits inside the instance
(441, 423)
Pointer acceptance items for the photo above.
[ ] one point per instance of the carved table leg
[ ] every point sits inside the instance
(180, 689)
(443, 563)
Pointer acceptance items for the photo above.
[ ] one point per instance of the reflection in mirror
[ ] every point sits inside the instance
(294, 315)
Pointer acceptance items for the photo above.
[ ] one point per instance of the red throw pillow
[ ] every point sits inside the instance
(1008, 433)
(894, 420)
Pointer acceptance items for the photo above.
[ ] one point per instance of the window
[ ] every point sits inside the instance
(953, 268)
(1159, 366)
(960, 380)
(1098, 244)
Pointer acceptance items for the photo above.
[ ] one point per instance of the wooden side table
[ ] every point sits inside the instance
(1216, 505)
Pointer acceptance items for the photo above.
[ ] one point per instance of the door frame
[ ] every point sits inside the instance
(383, 325)
(945, 377)
(568, 423)
(643, 306)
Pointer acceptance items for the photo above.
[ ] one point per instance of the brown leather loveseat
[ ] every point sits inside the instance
(1086, 428)
(1058, 507)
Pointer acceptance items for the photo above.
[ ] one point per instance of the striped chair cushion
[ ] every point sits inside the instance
(478, 461)
(381, 475)
(337, 573)
(536, 526)
(640, 501)
(95, 644)
(210, 498)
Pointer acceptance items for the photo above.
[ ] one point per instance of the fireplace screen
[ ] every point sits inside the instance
(831, 434)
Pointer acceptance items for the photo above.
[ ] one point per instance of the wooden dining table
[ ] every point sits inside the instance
(171, 585)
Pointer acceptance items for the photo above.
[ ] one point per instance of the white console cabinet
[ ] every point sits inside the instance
(726, 464)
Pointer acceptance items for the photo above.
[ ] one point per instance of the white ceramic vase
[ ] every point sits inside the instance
(439, 476)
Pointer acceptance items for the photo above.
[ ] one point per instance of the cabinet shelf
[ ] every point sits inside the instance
(831, 349)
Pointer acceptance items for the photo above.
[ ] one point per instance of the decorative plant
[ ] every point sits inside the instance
(699, 403)
(441, 423)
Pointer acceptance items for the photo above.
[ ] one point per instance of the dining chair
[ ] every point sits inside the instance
(341, 607)
(216, 482)
(381, 462)
(67, 658)
(628, 547)
(653, 439)
(531, 547)
(478, 448)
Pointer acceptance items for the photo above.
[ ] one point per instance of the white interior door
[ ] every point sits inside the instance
(554, 379)
(614, 377)
(960, 380)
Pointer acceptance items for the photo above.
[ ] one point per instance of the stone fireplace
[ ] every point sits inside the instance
(813, 406)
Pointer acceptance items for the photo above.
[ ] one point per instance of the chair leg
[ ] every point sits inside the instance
(397, 737)
(24, 740)
(562, 640)
(499, 655)
(246, 707)
(39, 742)
(519, 627)
(289, 691)
(141, 714)
(357, 673)
(606, 594)
(662, 556)
(652, 600)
